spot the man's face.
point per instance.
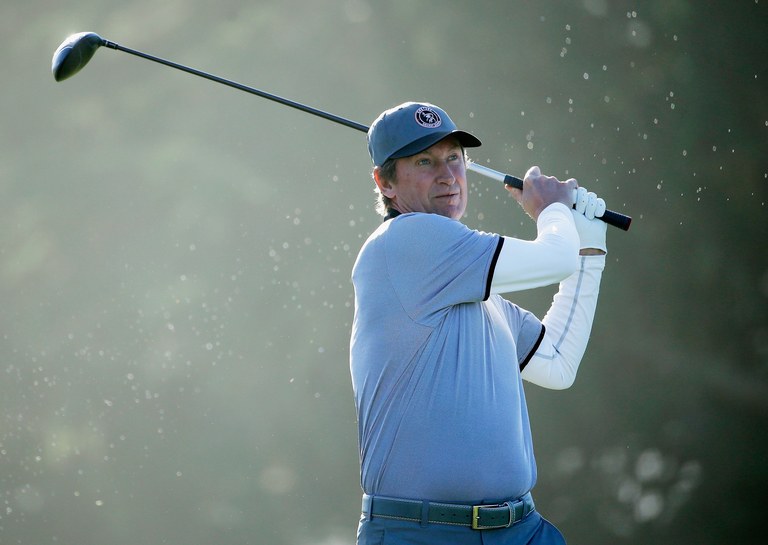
(433, 181)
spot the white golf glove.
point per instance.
(588, 204)
(587, 207)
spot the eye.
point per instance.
(424, 161)
(454, 157)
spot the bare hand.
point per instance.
(540, 191)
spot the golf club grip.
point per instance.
(611, 218)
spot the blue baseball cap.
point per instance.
(410, 128)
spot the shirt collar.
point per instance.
(391, 213)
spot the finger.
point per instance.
(589, 211)
(516, 193)
(600, 208)
(533, 172)
(580, 203)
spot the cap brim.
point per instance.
(466, 139)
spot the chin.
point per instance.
(453, 213)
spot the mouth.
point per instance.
(447, 195)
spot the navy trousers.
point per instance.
(532, 530)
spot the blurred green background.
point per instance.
(175, 259)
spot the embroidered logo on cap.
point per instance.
(428, 118)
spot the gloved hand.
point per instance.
(588, 203)
(591, 231)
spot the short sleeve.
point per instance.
(435, 262)
(530, 330)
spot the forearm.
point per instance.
(568, 325)
(548, 259)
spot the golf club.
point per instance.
(75, 52)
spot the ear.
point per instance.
(385, 186)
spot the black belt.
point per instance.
(477, 517)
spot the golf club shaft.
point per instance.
(241, 87)
(612, 218)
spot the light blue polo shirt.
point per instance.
(435, 365)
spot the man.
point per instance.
(437, 355)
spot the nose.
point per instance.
(446, 174)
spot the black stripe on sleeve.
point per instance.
(492, 268)
(534, 349)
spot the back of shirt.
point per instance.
(435, 366)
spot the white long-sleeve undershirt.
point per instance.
(553, 257)
(568, 324)
(550, 258)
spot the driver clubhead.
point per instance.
(74, 53)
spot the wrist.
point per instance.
(591, 251)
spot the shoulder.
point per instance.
(425, 224)
(424, 236)
(431, 234)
